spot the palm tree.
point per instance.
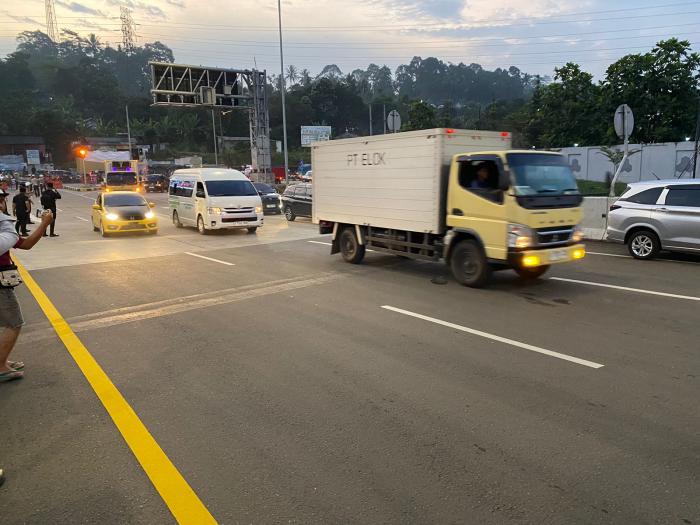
(292, 74)
(305, 77)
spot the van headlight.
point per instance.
(258, 209)
(111, 216)
(214, 211)
(150, 214)
(520, 236)
(577, 236)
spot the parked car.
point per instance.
(657, 215)
(296, 201)
(271, 200)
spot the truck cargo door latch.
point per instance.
(457, 211)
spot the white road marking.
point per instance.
(80, 218)
(210, 259)
(609, 255)
(59, 209)
(331, 244)
(627, 289)
(498, 338)
(165, 207)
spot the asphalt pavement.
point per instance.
(288, 386)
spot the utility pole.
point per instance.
(128, 129)
(282, 89)
(697, 142)
(384, 111)
(213, 128)
(370, 119)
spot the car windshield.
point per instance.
(230, 188)
(263, 188)
(541, 174)
(121, 178)
(116, 200)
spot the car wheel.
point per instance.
(644, 244)
(350, 247)
(200, 225)
(153, 232)
(531, 273)
(253, 229)
(95, 228)
(289, 214)
(102, 230)
(469, 265)
(176, 219)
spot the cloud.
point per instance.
(79, 8)
(22, 19)
(176, 3)
(142, 7)
(442, 9)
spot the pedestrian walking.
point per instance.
(11, 320)
(36, 186)
(48, 202)
(22, 209)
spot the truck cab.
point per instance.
(520, 208)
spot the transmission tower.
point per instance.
(51, 24)
(128, 32)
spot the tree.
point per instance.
(421, 115)
(292, 74)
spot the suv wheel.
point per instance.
(288, 213)
(644, 244)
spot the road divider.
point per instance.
(177, 494)
(498, 338)
(626, 289)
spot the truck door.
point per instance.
(475, 204)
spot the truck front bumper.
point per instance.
(545, 257)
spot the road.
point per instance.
(287, 386)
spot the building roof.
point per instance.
(20, 139)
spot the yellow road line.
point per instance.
(182, 501)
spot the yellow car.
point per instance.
(123, 212)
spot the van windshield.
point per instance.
(230, 188)
(541, 174)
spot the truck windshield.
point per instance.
(541, 174)
(121, 179)
(230, 188)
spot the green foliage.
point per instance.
(421, 115)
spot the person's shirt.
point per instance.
(48, 198)
(21, 202)
(477, 184)
(8, 238)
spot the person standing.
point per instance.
(48, 202)
(35, 186)
(22, 209)
(11, 320)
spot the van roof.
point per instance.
(211, 174)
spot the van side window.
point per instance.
(200, 191)
(645, 197)
(481, 178)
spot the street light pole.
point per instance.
(282, 89)
(213, 128)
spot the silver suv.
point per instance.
(657, 215)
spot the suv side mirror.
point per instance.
(503, 180)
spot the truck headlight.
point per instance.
(214, 211)
(520, 236)
(150, 214)
(258, 209)
(577, 236)
(112, 216)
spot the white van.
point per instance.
(214, 199)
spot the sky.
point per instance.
(533, 35)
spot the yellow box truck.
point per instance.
(459, 195)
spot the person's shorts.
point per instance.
(10, 312)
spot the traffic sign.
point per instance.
(624, 121)
(393, 121)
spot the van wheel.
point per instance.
(350, 247)
(289, 214)
(176, 219)
(469, 265)
(531, 273)
(253, 229)
(200, 225)
(644, 244)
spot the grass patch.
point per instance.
(595, 188)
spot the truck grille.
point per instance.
(554, 236)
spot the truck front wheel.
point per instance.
(469, 265)
(350, 247)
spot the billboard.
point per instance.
(33, 156)
(311, 134)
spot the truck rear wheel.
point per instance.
(469, 265)
(531, 273)
(350, 247)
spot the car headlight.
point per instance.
(112, 216)
(520, 236)
(150, 214)
(258, 209)
(214, 211)
(577, 236)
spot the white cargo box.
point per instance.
(392, 181)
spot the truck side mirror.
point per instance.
(503, 180)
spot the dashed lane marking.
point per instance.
(627, 289)
(330, 244)
(81, 219)
(210, 259)
(498, 338)
(177, 494)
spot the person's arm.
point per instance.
(58, 195)
(29, 242)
